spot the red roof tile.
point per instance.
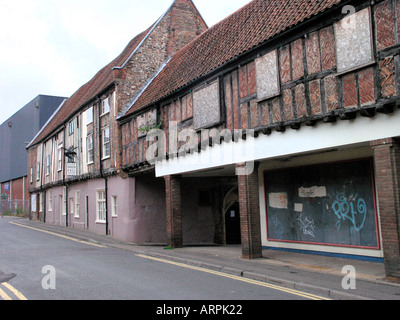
(104, 78)
(248, 27)
(88, 91)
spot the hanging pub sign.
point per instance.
(71, 169)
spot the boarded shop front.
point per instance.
(330, 205)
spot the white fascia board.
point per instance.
(321, 137)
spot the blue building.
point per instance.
(15, 134)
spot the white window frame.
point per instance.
(101, 209)
(40, 202)
(71, 206)
(31, 175)
(38, 171)
(106, 145)
(89, 116)
(114, 206)
(77, 203)
(60, 157)
(71, 128)
(105, 106)
(90, 149)
(48, 165)
(64, 202)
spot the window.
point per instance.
(31, 175)
(71, 205)
(77, 201)
(354, 41)
(101, 206)
(50, 195)
(114, 206)
(89, 116)
(48, 165)
(38, 172)
(105, 106)
(60, 157)
(41, 202)
(90, 150)
(106, 143)
(71, 127)
(206, 106)
(63, 202)
(267, 76)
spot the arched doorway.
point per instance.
(232, 224)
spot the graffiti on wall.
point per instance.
(352, 208)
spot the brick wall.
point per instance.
(180, 25)
(387, 169)
(173, 210)
(311, 90)
(250, 214)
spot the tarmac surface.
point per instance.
(304, 272)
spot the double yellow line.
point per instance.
(11, 291)
(225, 275)
(59, 235)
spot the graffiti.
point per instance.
(306, 226)
(352, 208)
(278, 227)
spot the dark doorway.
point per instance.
(232, 225)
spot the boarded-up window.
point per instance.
(146, 122)
(206, 106)
(354, 40)
(267, 76)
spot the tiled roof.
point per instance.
(245, 29)
(88, 91)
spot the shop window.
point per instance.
(330, 204)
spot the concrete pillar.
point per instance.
(387, 173)
(249, 201)
(174, 211)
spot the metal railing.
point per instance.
(14, 207)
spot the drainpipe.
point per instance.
(64, 182)
(102, 175)
(42, 173)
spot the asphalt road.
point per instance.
(45, 266)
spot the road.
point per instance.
(47, 266)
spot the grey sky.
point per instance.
(53, 47)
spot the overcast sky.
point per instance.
(53, 47)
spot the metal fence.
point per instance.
(14, 207)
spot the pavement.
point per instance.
(304, 272)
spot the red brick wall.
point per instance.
(173, 209)
(387, 168)
(311, 89)
(18, 189)
(250, 214)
